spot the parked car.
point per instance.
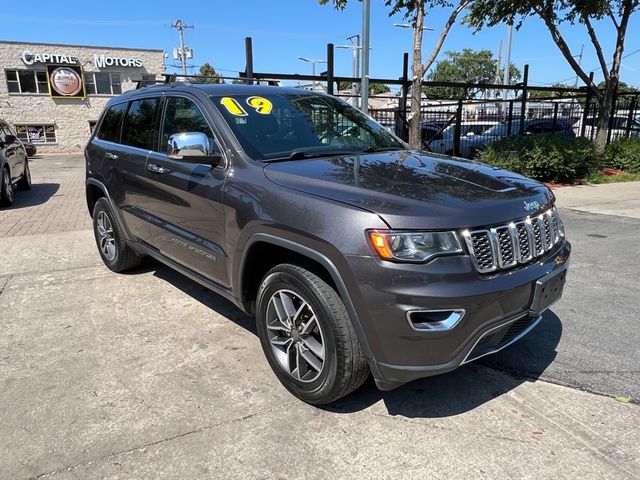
(14, 166)
(30, 148)
(559, 126)
(442, 141)
(355, 254)
(619, 127)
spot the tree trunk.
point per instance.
(415, 130)
(604, 115)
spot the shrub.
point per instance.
(623, 154)
(545, 157)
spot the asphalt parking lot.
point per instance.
(148, 375)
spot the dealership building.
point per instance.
(53, 94)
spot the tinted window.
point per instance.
(110, 126)
(182, 115)
(139, 124)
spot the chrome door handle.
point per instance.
(111, 156)
(156, 168)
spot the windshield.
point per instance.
(283, 125)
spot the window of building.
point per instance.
(103, 83)
(110, 126)
(27, 81)
(36, 133)
(138, 129)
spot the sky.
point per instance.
(283, 30)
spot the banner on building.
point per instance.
(66, 81)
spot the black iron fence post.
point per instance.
(555, 115)
(458, 129)
(330, 68)
(248, 69)
(510, 119)
(612, 113)
(525, 92)
(587, 106)
(631, 116)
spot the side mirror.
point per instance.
(193, 147)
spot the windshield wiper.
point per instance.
(302, 155)
(375, 148)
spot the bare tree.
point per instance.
(575, 12)
(415, 12)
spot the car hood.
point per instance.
(408, 189)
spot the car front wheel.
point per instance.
(115, 253)
(307, 336)
(6, 189)
(25, 182)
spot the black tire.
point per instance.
(107, 233)
(25, 181)
(344, 367)
(6, 189)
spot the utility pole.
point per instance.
(506, 79)
(364, 83)
(182, 49)
(575, 84)
(498, 65)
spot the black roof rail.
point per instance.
(147, 83)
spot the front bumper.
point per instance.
(498, 311)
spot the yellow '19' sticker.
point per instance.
(260, 105)
(233, 107)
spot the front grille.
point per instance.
(505, 246)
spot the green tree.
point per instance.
(467, 66)
(374, 88)
(414, 11)
(210, 74)
(586, 13)
(542, 94)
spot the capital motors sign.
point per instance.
(66, 81)
(98, 60)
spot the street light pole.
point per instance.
(313, 67)
(355, 48)
(364, 82)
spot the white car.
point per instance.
(442, 142)
(619, 127)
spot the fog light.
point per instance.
(434, 320)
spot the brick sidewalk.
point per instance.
(56, 203)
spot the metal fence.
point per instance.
(461, 126)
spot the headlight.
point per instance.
(414, 246)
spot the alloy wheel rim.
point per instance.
(106, 238)
(8, 188)
(295, 335)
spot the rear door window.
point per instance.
(110, 126)
(140, 123)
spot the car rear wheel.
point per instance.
(25, 182)
(6, 189)
(307, 336)
(113, 248)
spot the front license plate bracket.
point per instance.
(548, 290)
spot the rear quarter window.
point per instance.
(110, 126)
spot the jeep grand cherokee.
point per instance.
(356, 254)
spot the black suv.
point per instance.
(14, 166)
(355, 254)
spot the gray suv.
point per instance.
(355, 254)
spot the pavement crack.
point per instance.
(140, 448)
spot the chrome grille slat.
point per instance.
(505, 246)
